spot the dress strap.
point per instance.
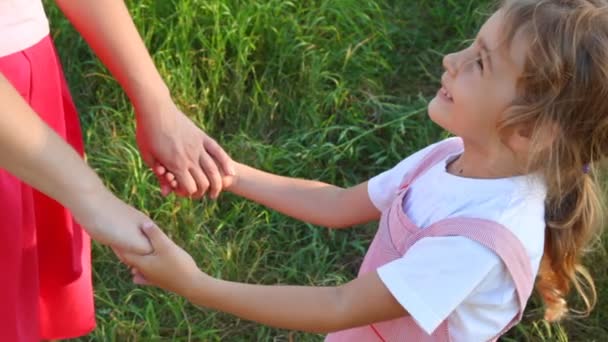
(497, 238)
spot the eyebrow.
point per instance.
(484, 47)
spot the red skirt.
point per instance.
(45, 286)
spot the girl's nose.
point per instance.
(450, 64)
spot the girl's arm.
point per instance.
(307, 200)
(362, 301)
(31, 151)
(164, 134)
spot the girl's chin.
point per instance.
(437, 115)
(435, 109)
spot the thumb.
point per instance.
(218, 153)
(157, 238)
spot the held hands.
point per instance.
(168, 267)
(167, 177)
(167, 137)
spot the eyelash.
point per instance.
(479, 62)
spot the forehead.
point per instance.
(507, 54)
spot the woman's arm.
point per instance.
(307, 200)
(31, 151)
(362, 301)
(107, 27)
(164, 134)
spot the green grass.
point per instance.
(334, 90)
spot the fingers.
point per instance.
(220, 156)
(134, 242)
(202, 182)
(186, 182)
(140, 280)
(210, 179)
(165, 189)
(170, 178)
(159, 169)
(196, 183)
(165, 178)
(138, 277)
(205, 176)
(168, 183)
(118, 254)
(212, 173)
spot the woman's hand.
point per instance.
(164, 134)
(169, 138)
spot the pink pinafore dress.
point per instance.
(396, 234)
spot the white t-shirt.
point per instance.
(23, 23)
(455, 277)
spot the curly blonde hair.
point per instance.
(564, 86)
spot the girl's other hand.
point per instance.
(168, 267)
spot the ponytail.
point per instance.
(572, 221)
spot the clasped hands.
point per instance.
(185, 161)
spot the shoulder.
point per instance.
(405, 164)
(418, 279)
(521, 211)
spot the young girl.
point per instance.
(466, 224)
(45, 286)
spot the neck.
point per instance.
(495, 161)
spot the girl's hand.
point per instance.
(168, 267)
(167, 137)
(112, 222)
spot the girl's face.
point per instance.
(479, 84)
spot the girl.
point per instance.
(466, 224)
(45, 287)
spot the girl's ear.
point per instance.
(546, 135)
(523, 136)
(518, 138)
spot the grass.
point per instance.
(334, 90)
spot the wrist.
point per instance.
(149, 98)
(86, 193)
(86, 205)
(198, 288)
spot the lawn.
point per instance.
(334, 90)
